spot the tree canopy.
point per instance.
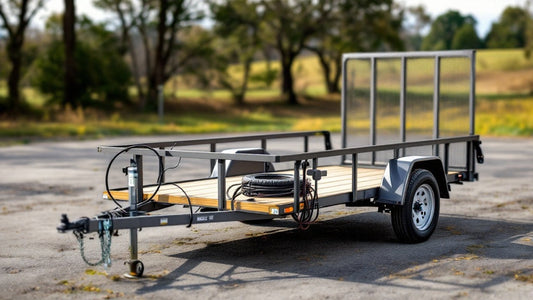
(510, 30)
(103, 76)
(152, 41)
(445, 27)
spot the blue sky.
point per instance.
(485, 11)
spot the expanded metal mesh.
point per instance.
(405, 97)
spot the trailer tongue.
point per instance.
(405, 172)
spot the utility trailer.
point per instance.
(402, 169)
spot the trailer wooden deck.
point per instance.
(204, 192)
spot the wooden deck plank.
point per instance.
(205, 192)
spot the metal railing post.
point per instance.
(221, 184)
(354, 177)
(296, 205)
(472, 95)
(212, 148)
(436, 104)
(373, 90)
(162, 178)
(446, 158)
(403, 95)
(344, 108)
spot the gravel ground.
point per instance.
(482, 248)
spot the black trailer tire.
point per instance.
(269, 180)
(416, 219)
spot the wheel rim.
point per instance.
(423, 207)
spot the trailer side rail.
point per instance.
(463, 173)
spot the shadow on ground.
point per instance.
(358, 248)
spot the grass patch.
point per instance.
(186, 117)
(502, 60)
(513, 118)
(506, 117)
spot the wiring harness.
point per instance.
(120, 211)
(279, 185)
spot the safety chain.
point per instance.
(104, 233)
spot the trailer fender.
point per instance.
(398, 172)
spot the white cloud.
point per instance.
(485, 11)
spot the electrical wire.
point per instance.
(283, 185)
(119, 211)
(124, 151)
(310, 200)
(189, 201)
(236, 193)
(309, 214)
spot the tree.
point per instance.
(69, 39)
(4, 70)
(15, 16)
(529, 29)
(444, 29)
(355, 26)
(238, 22)
(413, 31)
(292, 24)
(157, 23)
(510, 30)
(466, 38)
(103, 78)
(127, 14)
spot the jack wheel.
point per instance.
(136, 269)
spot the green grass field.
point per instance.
(504, 105)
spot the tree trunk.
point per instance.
(148, 61)
(15, 40)
(157, 76)
(151, 96)
(14, 76)
(326, 71)
(136, 71)
(69, 38)
(338, 72)
(287, 85)
(332, 84)
(239, 97)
